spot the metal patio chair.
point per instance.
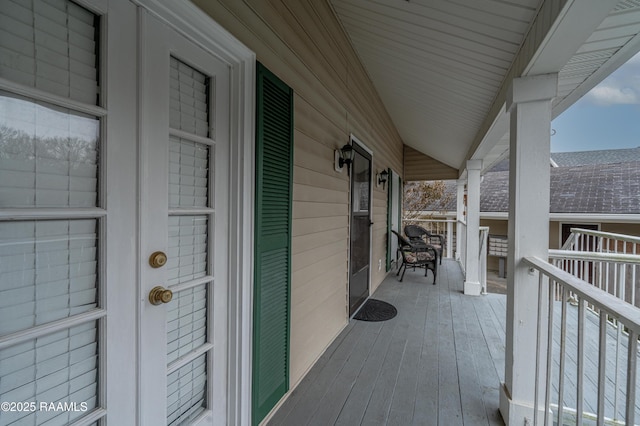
(418, 254)
(418, 233)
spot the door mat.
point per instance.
(376, 310)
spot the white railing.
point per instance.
(457, 240)
(564, 395)
(610, 268)
(609, 262)
(482, 258)
(461, 245)
(444, 227)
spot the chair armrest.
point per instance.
(441, 238)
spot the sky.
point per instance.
(608, 117)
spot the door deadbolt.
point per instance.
(157, 259)
(159, 295)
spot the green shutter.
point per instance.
(390, 195)
(274, 177)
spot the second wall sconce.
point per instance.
(383, 176)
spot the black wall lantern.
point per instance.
(383, 176)
(344, 156)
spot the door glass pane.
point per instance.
(58, 368)
(188, 172)
(360, 218)
(48, 271)
(186, 392)
(186, 322)
(49, 158)
(48, 155)
(187, 257)
(189, 99)
(362, 178)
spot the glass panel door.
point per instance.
(185, 137)
(360, 228)
(52, 219)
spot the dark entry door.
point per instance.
(360, 228)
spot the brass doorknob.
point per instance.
(159, 295)
(157, 259)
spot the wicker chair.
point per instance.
(417, 233)
(417, 254)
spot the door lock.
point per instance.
(157, 259)
(159, 295)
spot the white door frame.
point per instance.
(191, 22)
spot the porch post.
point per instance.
(459, 217)
(472, 276)
(529, 103)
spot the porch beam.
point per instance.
(472, 267)
(529, 103)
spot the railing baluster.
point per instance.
(547, 395)
(616, 393)
(563, 347)
(632, 359)
(449, 239)
(633, 275)
(580, 357)
(536, 391)
(600, 274)
(619, 332)
(602, 366)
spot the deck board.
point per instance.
(440, 361)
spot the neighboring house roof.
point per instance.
(583, 158)
(612, 188)
(600, 188)
(608, 156)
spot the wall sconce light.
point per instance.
(383, 176)
(343, 156)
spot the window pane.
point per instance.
(59, 367)
(50, 45)
(48, 155)
(48, 271)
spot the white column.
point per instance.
(529, 103)
(472, 277)
(459, 217)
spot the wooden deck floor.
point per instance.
(438, 362)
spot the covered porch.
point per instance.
(439, 361)
(459, 85)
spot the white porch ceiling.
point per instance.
(440, 66)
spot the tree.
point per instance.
(424, 197)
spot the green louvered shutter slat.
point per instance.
(274, 176)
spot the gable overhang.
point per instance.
(419, 167)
